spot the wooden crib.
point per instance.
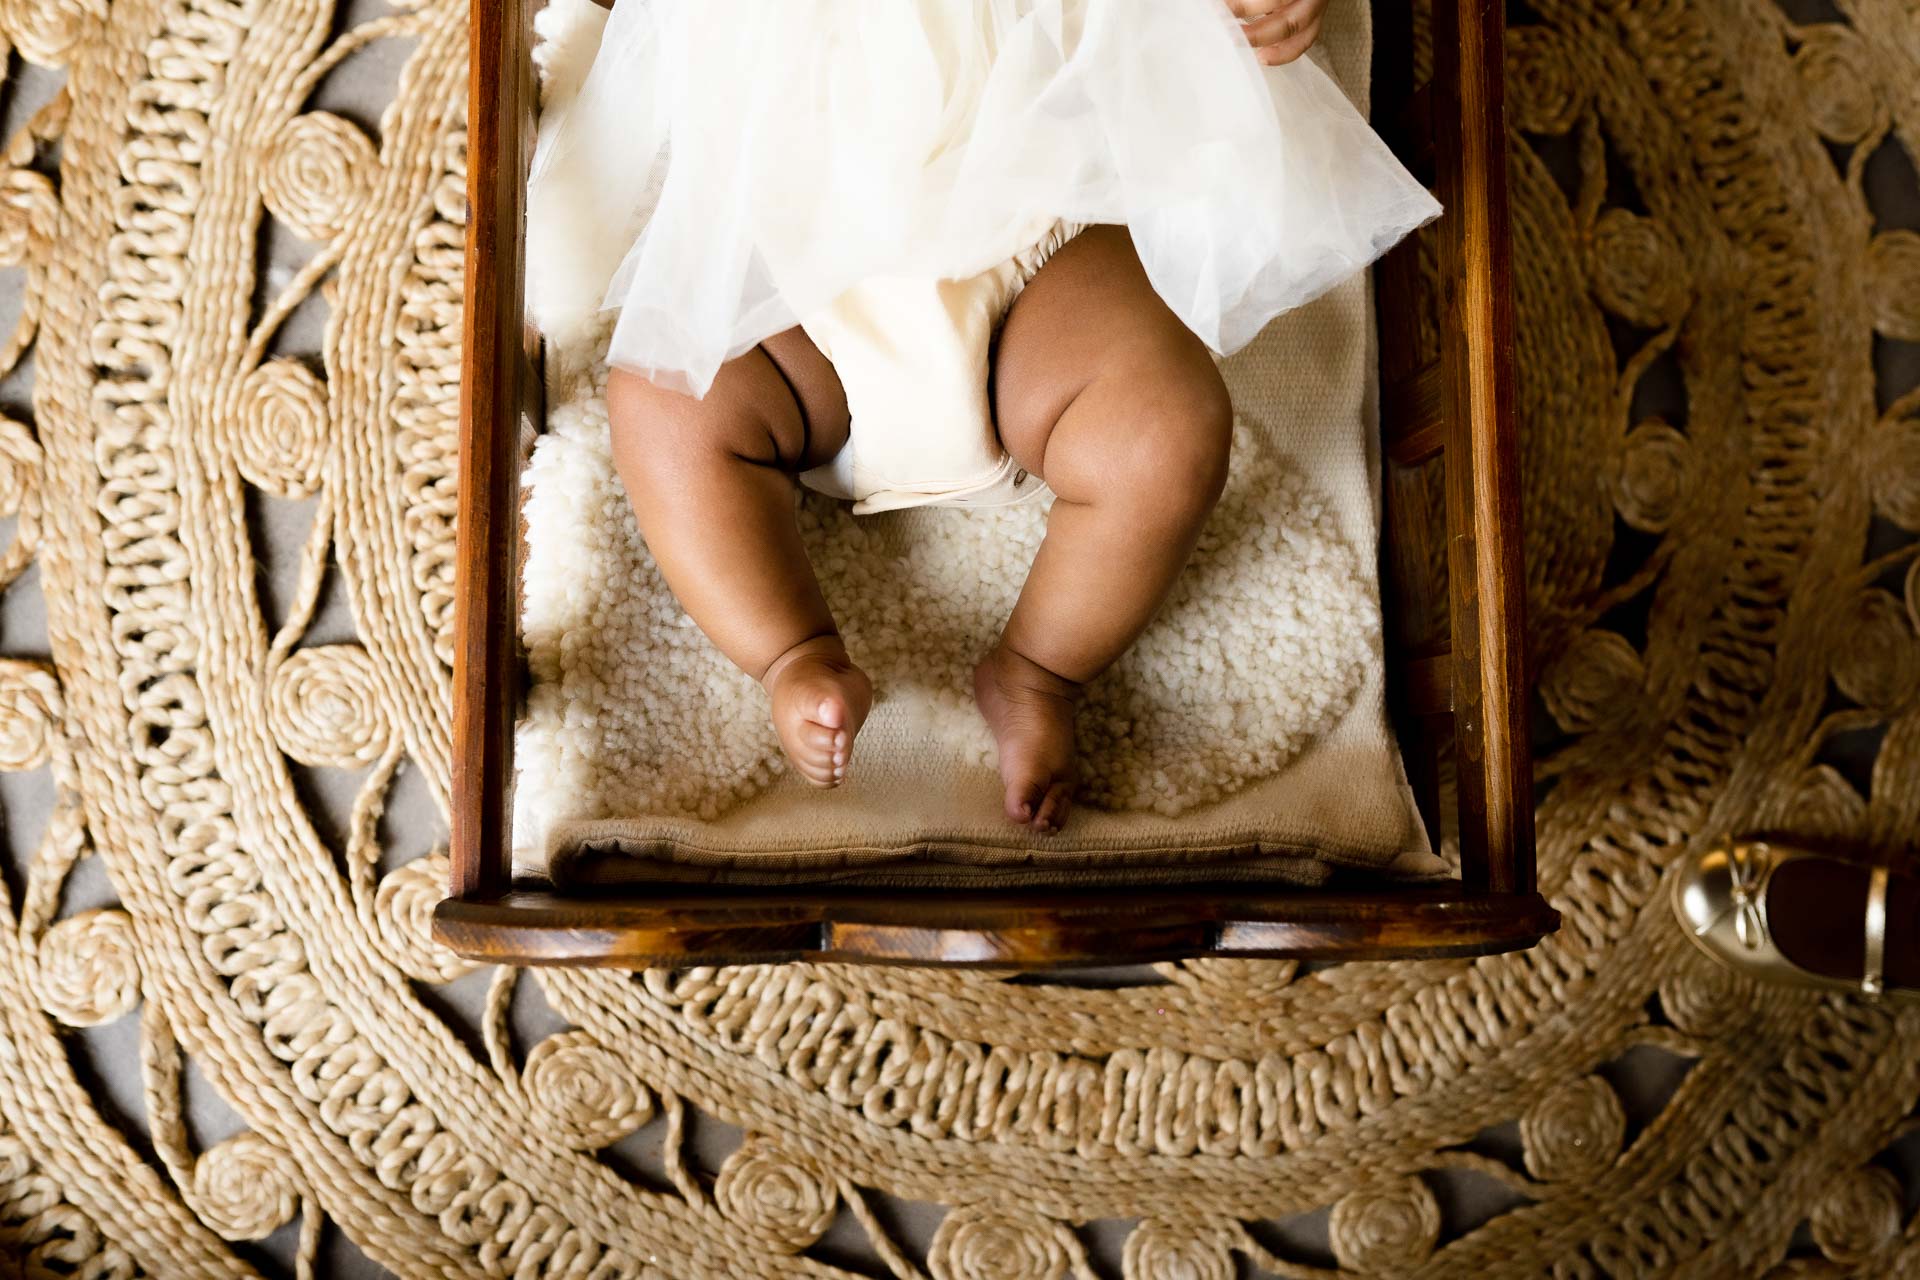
(1455, 624)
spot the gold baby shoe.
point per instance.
(1721, 898)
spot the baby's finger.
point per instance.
(1285, 51)
(1283, 23)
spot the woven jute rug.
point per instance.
(229, 1048)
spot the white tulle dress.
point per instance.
(726, 171)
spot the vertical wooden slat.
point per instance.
(1424, 777)
(1413, 413)
(1483, 500)
(1406, 591)
(1396, 276)
(1392, 86)
(494, 388)
(1396, 287)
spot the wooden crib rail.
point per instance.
(499, 395)
(1452, 586)
(1488, 605)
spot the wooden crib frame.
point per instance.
(1454, 610)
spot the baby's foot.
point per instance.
(820, 700)
(1030, 711)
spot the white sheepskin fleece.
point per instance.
(1267, 637)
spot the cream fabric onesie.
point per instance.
(913, 356)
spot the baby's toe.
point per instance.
(810, 747)
(1024, 799)
(827, 748)
(818, 706)
(1052, 814)
(823, 741)
(816, 770)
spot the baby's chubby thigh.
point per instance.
(780, 404)
(1101, 390)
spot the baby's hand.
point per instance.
(1279, 30)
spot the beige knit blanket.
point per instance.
(227, 1048)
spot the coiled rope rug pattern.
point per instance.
(208, 915)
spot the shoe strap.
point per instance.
(1873, 980)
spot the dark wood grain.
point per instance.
(1483, 491)
(1434, 738)
(1410, 132)
(1396, 284)
(1397, 276)
(1413, 565)
(497, 380)
(1429, 685)
(1032, 929)
(1413, 586)
(1414, 413)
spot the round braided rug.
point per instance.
(229, 1048)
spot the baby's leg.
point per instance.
(712, 483)
(1101, 391)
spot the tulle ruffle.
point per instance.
(727, 170)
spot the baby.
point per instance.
(952, 251)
